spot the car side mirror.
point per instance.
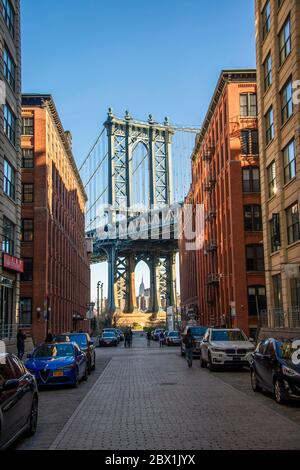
(205, 340)
(10, 385)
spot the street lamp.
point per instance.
(99, 309)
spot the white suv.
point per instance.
(225, 348)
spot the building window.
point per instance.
(275, 233)
(293, 223)
(249, 142)
(257, 301)
(295, 292)
(277, 291)
(271, 171)
(255, 258)
(9, 124)
(266, 19)
(268, 71)
(8, 237)
(289, 161)
(27, 193)
(9, 180)
(287, 101)
(26, 311)
(27, 126)
(252, 218)
(269, 121)
(248, 104)
(27, 158)
(27, 230)
(27, 275)
(9, 68)
(9, 16)
(251, 179)
(285, 41)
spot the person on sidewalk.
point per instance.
(21, 343)
(126, 338)
(189, 342)
(161, 339)
(148, 338)
(130, 337)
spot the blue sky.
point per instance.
(161, 57)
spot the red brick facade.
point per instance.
(225, 167)
(60, 278)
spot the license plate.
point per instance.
(58, 373)
(236, 359)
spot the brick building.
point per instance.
(278, 68)
(226, 180)
(10, 168)
(188, 274)
(55, 285)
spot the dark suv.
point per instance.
(84, 342)
(18, 400)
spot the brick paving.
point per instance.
(149, 399)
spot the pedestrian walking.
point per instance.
(189, 342)
(49, 338)
(126, 338)
(149, 338)
(21, 343)
(130, 337)
(161, 339)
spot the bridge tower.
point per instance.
(124, 137)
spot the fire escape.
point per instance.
(212, 280)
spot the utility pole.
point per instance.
(99, 308)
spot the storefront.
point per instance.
(7, 317)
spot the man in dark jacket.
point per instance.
(189, 342)
(21, 343)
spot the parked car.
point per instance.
(85, 343)
(198, 332)
(225, 348)
(108, 338)
(58, 364)
(156, 333)
(173, 338)
(18, 400)
(275, 368)
(113, 330)
(121, 334)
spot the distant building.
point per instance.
(55, 285)
(143, 299)
(278, 69)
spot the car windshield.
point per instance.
(198, 331)
(54, 350)
(228, 335)
(174, 333)
(81, 340)
(108, 334)
(285, 349)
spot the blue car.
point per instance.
(58, 364)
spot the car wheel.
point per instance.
(33, 418)
(254, 384)
(211, 367)
(86, 375)
(76, 382)
(279, 393)
(203, 364)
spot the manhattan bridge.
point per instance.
(136, 177)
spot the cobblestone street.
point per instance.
(147, 398)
